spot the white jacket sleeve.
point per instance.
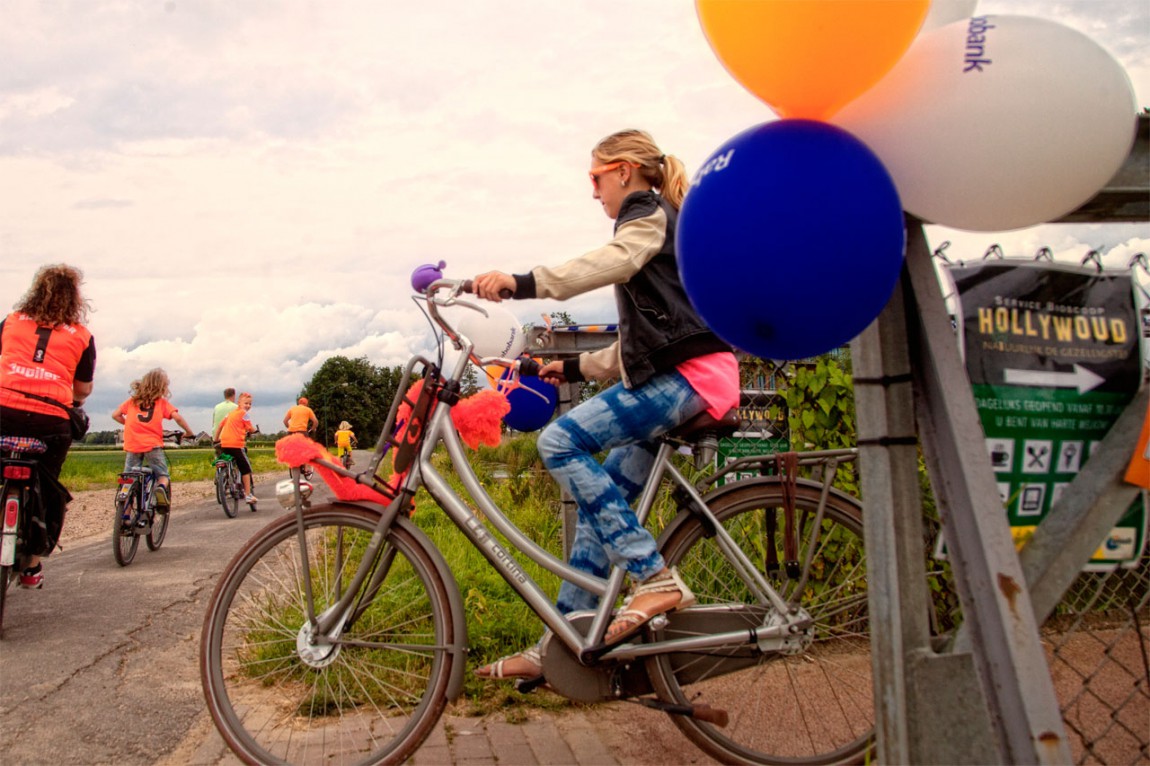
(635, 243)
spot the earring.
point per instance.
(623, 184)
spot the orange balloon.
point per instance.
(809, 58)
(493, 372)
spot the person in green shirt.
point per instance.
(221, 411)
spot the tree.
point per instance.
(354, 390)
(470, 383)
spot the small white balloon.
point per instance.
(998, 122)
(496, 334)
(943, 12)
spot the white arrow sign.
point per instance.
(1082, 378)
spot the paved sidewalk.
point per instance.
(620, 734)
(606, 735)
(548, 739)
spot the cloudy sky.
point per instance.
(248, 184)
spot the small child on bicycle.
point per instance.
(232, 435)
(143, 416)
(344, 441)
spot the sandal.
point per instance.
(500, 670)
(655, 591)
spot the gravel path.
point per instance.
(90, 512)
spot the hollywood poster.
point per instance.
(1054, 356)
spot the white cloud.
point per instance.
(247, 190)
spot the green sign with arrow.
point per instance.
(1054, 356)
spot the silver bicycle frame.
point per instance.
(440, 430)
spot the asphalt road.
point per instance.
(100, 666)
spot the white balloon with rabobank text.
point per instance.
(998, 122)
(495, 331)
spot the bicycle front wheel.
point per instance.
(159, 530)
(124, 537)
(370, 694)
(810, 707)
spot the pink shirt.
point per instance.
(715, 377)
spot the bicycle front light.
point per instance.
(285, 492)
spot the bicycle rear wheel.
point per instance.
(124, 537)
(6, 574)
(231, 501)
(813, 707)
(370, 695)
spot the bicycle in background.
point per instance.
(345, 457)
(18, 465)
(230, 486)
(137, 515)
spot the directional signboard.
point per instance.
(1054, 355)
(763, 430)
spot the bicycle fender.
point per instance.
(752, 485)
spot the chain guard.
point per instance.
(602, 682)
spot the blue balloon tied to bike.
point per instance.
(791, 239)
(533, 402)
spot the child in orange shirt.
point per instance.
(232, 434)
(143, 416)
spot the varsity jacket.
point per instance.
(658, 327)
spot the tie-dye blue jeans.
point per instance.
(626, 422)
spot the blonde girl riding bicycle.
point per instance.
(671, 368)
(142, 415)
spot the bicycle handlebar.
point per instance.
(445, 292)
(469, 287)
(179, 436)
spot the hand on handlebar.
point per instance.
(552, 372)
(494, 286)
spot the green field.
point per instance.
(97, 469)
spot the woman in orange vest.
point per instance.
(46, 351)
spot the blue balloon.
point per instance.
(791, 239)
(529, 412)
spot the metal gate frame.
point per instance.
(989, 698)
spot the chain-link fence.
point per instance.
(1098, 639)
(1098, 642)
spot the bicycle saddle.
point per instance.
(703, 422)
